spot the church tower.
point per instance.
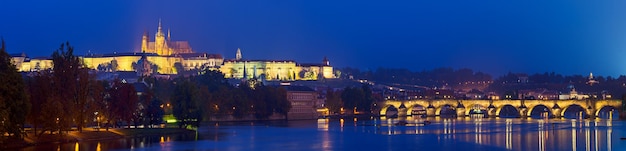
(159, 41)
(144, 42)
(238, 55)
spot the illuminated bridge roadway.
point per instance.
(504, 108)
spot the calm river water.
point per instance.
(382, 134)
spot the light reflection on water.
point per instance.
(510, 134)
(384, 134)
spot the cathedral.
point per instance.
(164, 46)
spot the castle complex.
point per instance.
(164, 56)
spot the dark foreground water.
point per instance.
(382, 134)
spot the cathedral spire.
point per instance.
(159, 29)
(168, 34)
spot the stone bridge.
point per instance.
(504, 108)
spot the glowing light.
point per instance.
(508, 133)
(341, 124)
(573, 135)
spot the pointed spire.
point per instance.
(159, 29)
(168, 34)
(238, 55)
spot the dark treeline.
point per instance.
(351, 99)
(209, 95)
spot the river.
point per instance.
(381, 134)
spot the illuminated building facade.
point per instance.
(275, 70)
(164, 56)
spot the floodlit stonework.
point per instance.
(167, 57)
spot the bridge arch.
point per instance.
(476, 109)
(383, 111)
(540, 111)
(416, 109)
(574, 111)
(607, 112)
(446, 110)
(507, 111)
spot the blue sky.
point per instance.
(493, 36)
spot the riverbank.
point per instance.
(32, 139)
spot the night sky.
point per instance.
(493, 36)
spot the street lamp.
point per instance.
(97, 120)
(58, 126)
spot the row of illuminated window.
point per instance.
(296, 103)
(198, 64)
(302, 97)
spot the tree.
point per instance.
(14, 103)
(212, 79)
(39, 90)
(146, 100)
(186, 103)
(333, 101)
(123, 102)
(368, 101)
(71, 82)
(239, 102)
(354, 98)
(154, 114)
(282, 105)
(262, 101)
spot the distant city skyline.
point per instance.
(494, 37)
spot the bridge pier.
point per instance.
(491, 112)
(460, 109)
(592, 113)
(430, 111)
(556, 112)
(460, 112)
(523, 112)
(402, 112)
